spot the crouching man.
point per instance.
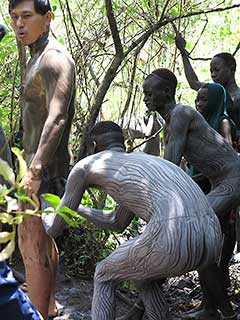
(182, 231)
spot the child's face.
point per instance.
(202, 100)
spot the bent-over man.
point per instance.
(182, 231)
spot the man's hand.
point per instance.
(180, 42)
(31, 182)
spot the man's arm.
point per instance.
(177, 131)
(116, 220)
(152, 146)
(59, 75)
(77, 183)
(190, 74)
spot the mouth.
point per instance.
(21, 35)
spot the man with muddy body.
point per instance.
(182, 231)
(222, 69)
(48, 96)
(188, 134)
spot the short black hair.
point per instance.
(41, 6)
(168, 76)
(228, 59)
(106, 127)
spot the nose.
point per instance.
(198, 104)
(20, 22)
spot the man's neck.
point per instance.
(232, 88)
(166, 111)
(40, 44)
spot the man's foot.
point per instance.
(202, 314)
(135, 313)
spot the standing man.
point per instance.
(49, 93)
(188, 134)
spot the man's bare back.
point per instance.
(202, 146)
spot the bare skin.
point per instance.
(48, 110)
(188, 134)
(145, 186)
(220, 73)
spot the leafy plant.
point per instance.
(12, 213)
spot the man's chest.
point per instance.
(34, 84)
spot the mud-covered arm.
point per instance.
(190, 74)
(177, 135)
(226, 130)
(116, 220)
(75, 187)
(152, 146)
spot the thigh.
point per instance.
(163, 250)
(224, 196)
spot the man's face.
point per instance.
(154, 91)
(220, 72)
(27, 24)
(202, 100)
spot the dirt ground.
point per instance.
(183, 293)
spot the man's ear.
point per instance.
(168, 92)
(232, 69)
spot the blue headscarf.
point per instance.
(219, 104)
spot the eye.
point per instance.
(14, 17)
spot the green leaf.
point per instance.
(6, 218)
(6, 236)
(52, 199)
(3, 190)
(24, 198)
(70, 222)
(22, 163)
(8, 250)
(69, 211)
(12, 204)
(7, 172)
(18, 219)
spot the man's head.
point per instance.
(222, 68)
(30, 19)
(159, 88)
(2, 32)
(103, 135)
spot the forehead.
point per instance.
(218, 62)
(202, 92)
(25, 6)
(151, 83)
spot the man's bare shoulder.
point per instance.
(56, 56)
(182, 110)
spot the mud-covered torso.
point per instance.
(36, 109)
(206, 149)
(150, 187)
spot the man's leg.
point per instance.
(34, 247)
(52, 310)
(215, 296)
(136, 312)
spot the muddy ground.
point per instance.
(74, 295)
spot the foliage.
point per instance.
(13, 200)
